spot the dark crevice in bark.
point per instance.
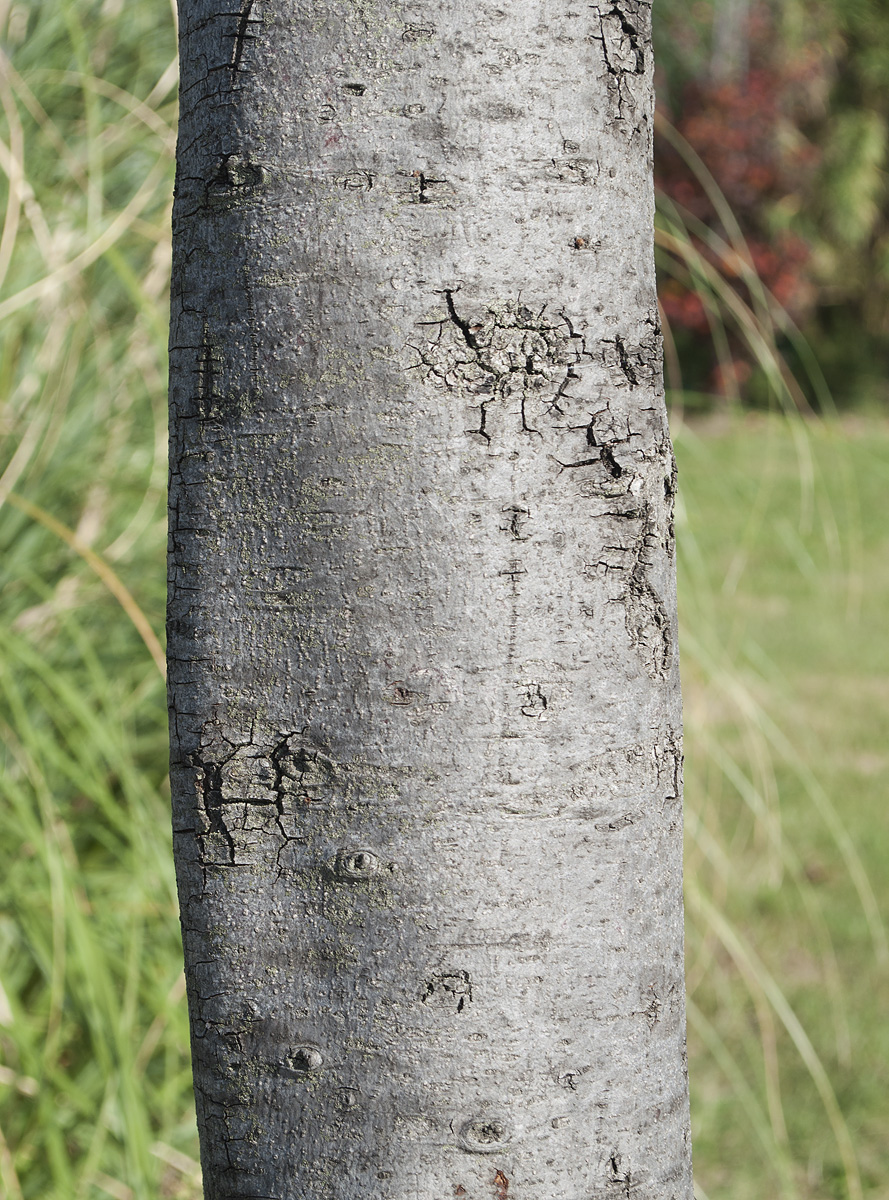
(623, 1179)
(648, 622)
(584, 462)
(571, 376)
(632, 33)
(612, 466)
(461, 324)
(211, 784)
(424, 183)
(625, 365)
(241, 37)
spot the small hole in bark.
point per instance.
(356, 864)
(304, 1059)
(449, 986)
(355, 89)
(418, 33)
(237, 173)
(485, 1135)
(347, 1098)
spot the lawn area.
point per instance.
(784, 593)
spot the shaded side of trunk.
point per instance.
(424, 689)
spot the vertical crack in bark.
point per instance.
(623, 52)
(612, 466)
(460, 322)
(670, 482)
(648, 622)
(625, 365)
(619, 1176)
(631, 33)
(210, 784)
(241, 37)
(206, 381)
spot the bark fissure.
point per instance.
(242, 36)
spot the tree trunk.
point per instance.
(424, 689)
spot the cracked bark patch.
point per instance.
(620, 37)
(670, 482)
(450, 989)
(622, 34)
(608, 437)
(503, 355)
(533, 701)
(244, 790)
(648, 622)
(635, 364)
(626, 565)
(669, 759)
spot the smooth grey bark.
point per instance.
(424, 691)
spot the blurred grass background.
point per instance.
(784, 587)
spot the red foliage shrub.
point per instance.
(748, 131)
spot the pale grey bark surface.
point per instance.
(424, 690)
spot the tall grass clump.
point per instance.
(788, 963)
(782, 577)
(94, 1067)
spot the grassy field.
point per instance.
(784, 577)
(784, 588)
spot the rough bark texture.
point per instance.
(424, 691)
